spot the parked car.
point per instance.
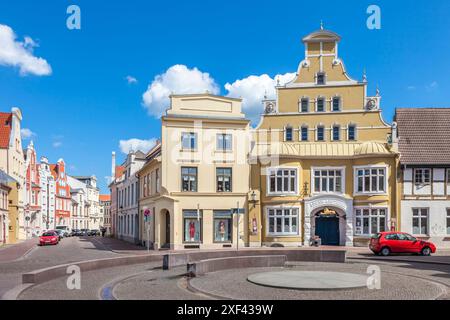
(84, 232)
(75, 232)
(49, 237)
(66, 230)
(94, 232)
(385, 243)
(60, 233)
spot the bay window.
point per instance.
(282, 180)
(282, 221)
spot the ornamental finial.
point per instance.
(321, 24)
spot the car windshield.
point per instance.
(48, 234)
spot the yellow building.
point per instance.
(322, 164)
(196, 182)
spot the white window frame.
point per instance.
(283, 208)
(419, 210)
(348, 131)
(223, 147)
(371, 214)
(281, 193)
(423, 182)
(195, 135)
(332, 132)
(324, 104)
(300, 105)
(313, 186)
(370, 167)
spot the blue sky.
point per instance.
(86, 105)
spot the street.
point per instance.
(403, 276)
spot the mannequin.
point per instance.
(192, 230)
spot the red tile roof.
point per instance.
(104, 197)
(119, 171)
(424, 135)
(5, 129)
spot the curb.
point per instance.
(400, 260)
(15, 292)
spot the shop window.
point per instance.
(223, 226)
(192, 222)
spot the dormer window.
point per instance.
(288, 134)
(320, 78)
(320, 104)
(304, 105)
(336, 104)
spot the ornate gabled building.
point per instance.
(322, 162)
(47, 194)
(34, 221)
(63, 200)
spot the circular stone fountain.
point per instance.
(309, 280)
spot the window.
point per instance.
(189, 179)
(304, 134)
(288, 134)
(282, 221)
(369, 221)
(157, 180)
(327, 180)
(192, 226)
(223, 225)
(321, 78)
(304, 105)
(320, 133)
(420, 221)
(189, 140)
(223, 176)
(448, 176)
(320, 104)
(282, 180)
(371, 180)
(422, 176)
(448, 221)
(336, 104)
(351, 132)
(336, 133)
(224, 141)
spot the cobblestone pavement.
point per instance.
(409, 281)
(11, 252)
(68, 250)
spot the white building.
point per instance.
(86, 196)
(47, 194)
(424, 143)
(128, 194)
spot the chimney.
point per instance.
(113, 166)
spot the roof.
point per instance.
(119, 171)
(5, 178)
(104, 197)
(322, 36)
(5, 129)
(424, 135)
(323, 150)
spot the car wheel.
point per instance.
(385, 251)
(426, 251)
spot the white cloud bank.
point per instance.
(136, 144)
(20, 54)
(179, 79)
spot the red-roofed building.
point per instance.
(105, 211)
(63, 200)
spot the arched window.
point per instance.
(336, 132)
(351, 132)
(320, 104)
(288, 133)
(336, 104)
(304, 105)
(320, 133)
(304, 133)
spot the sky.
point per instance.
(85, 93)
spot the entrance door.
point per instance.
(327, 228)
(167, 244)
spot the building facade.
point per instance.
(5, 189)
(63, 200)
(105, 211)
(196, 183)
(423, 137)
(92, 193)
(12, 163)
(128, 198)
(322, 164)
(116, 175)
(47, 194)
(33, 213)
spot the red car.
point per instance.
(385, 243)
(49, 237)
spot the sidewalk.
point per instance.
(11, 252)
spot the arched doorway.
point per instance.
(327, 226)
(165, 228)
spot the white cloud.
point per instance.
(411, 88)
(20, 54)
(136, 144)
(252, 90)
(178, 79)
(57, 144)
(131, 79)
(26, 133)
